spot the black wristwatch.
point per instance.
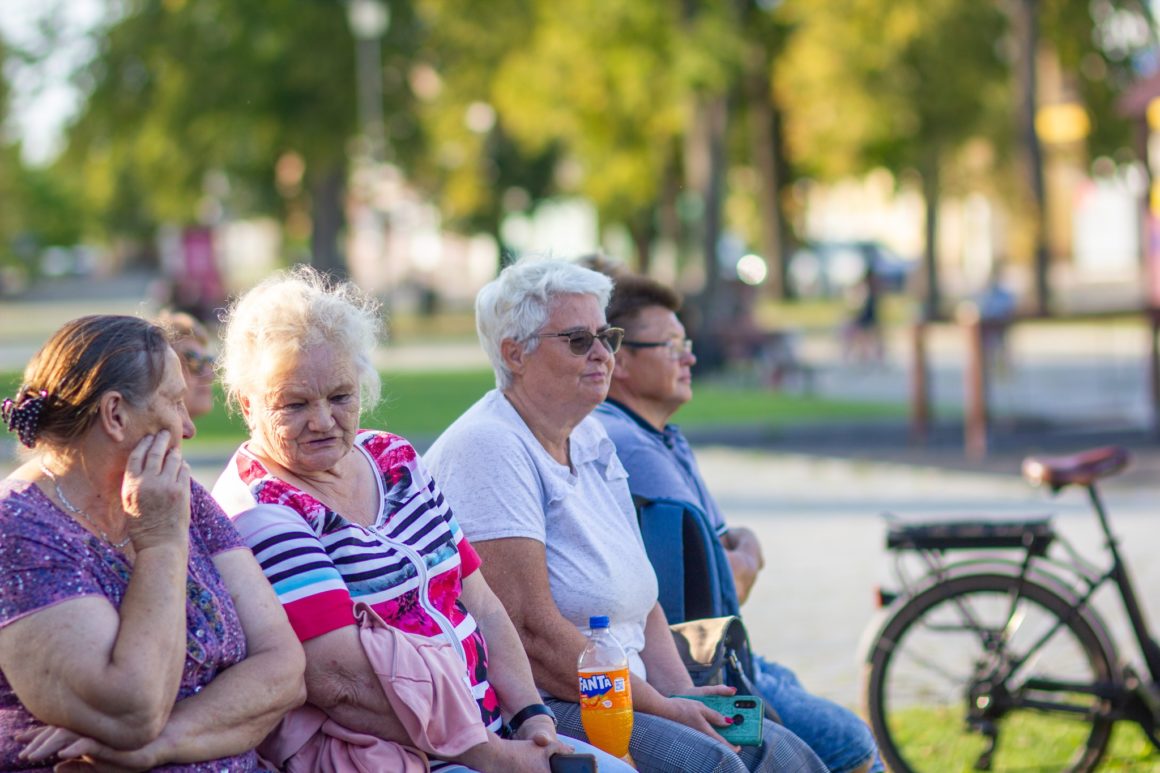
(526, 713)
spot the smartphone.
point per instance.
(572, 763)
(746, 711)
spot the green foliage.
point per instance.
(182, 88)
(597, 77)
(38, 207)
(868, 84)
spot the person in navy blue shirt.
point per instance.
(651, 380)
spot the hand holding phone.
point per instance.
(745, 711)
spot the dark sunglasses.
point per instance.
(200, 365)
(580, 341)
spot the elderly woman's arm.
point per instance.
(508, 669)
(114, 675)
(516, 569)
(341, 681)
(235, 711)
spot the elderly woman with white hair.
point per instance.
(536, 485)
(342, 519)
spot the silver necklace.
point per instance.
(77, 511)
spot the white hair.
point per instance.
(516, 304)
(289, 313)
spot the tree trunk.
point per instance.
(932, 300)
(643, 232)
(1027, 33)
(705, 169)
(326, 203)
(763, 143)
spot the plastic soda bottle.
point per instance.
(605, 690)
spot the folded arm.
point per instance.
(235, 711)
(107, 674)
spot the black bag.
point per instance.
(715, 650)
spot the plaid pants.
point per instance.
(662, 746)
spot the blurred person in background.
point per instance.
(651, 380)
(537, 486)
(862, 333)
(136, 630)
(190, 340)
(341, 517)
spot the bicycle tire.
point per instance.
(947, 623)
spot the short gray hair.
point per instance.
(289, 313)
(516, 304)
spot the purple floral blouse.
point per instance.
(46, 557)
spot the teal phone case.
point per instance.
(746, 711)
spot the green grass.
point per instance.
(421, 404)
(934, 741)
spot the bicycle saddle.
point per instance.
(1082, 469)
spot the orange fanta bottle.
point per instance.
(605, 690)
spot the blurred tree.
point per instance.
(180, 90)
(764, 35)
(37, 206)
(598, 82)
(901, 85)
(471, 164)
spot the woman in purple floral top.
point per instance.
(136, 631)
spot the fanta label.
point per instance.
(605, 688)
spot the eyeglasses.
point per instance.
(678, 347)
(580, 341)
(200, 365)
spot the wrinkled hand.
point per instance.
(514, 756)
(699, 716)
(541, 730)
(532, 756)
(155, 492)
(78, 753)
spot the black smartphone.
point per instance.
(572, 763)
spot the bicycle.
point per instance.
(994, 657)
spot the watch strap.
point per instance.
(527, 712)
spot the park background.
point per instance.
(758, 154)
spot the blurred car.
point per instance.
(830, 268)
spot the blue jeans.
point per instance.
(836, 734)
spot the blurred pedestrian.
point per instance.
(996, 304)
(862, 333)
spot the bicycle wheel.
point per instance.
(971, 663)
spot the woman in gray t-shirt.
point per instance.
(535, 484)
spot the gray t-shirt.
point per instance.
(501, 482)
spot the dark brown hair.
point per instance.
(634, 293)
(85, 359)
